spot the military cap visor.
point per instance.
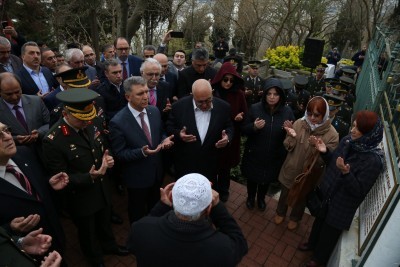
(339, 88)
(333, 101)
(79, 103)
(346, 80)
(75, 78)
(254, 64)
(349, 71)
(300, 81)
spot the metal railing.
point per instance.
(378, 85)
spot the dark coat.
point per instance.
(16, 203)
(163, 240)
(188, 76)
(164, 92)
(235, 97)
(66, 151)
(114, 100)
(15, 62)
(351, 188)
(28, 85)
(264, 152)
(194, 156)
(11, 255)
(50, 100)
(172, 79)
(255, 88)
(128, 139)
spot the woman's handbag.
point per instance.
(316, 204)
(297, 192)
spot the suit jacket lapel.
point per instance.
(135, 125)
(211, 124)
(28, 79)
(27, 107)
(10, 119)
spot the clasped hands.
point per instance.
(107, 162)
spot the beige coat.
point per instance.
(300, 152)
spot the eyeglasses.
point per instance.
(315, 115)
(5, 130)
(123, 49)
(153, 74)
(201, 102)
(89, 55)
(231, 80)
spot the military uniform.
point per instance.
(88, 199)
(316, 85)
(337, 122)
(299, 96)
(255, 85)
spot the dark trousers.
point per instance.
(224, 181)
(141, 201)
(95, 234)
(254, 188)
(297, 210)
(323, 239)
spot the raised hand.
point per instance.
(52, 260)
(166, 194)
(343, 167)
(168, 106)
(23, 225)
(239, 117)
(147, 151)
(107, 162)
(317, 143)
(259, 123)
(223, 141)
(36, 243)
(186, 137)
(59, 181)
(167, 142)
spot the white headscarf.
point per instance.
(325, 119)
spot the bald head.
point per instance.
(10, 88)
(202, 94)
(163, 60)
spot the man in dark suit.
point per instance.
(8, 61)
(90, 60)
(198, 70)
(160, 94)
(77, 147)
(136, 139)
(130, 64)
(202, 126)
(27, 115)
(50, 100)
(48, 59)
(167, 75)
(25, 201)
(112, 90)
(35, 80)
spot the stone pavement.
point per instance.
(269, 244)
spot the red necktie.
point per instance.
(124, 71)
(145, 127)
(153, 101)
(22, 179)
(20, 117)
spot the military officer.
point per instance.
(76, 145)
(317, 83)
(253, 83)
(351, 95)
(299, 96)
(340, 89)
(340, 125)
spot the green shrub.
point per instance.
(285, 57)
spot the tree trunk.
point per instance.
(134, 21)
(123, 19)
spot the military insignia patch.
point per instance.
(65, 130)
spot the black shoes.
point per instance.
(261, 204)
(119, 251)
(250, 203)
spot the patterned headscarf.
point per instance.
(369, 142)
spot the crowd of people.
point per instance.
(71, 126)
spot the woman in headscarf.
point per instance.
(264, 152)
(351, 171)
(229, 86)
(300, 155)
